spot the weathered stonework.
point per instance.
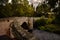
(5, 24)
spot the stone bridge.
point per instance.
(5, 23)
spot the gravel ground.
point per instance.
(43, 35)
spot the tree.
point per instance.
(16, 8)
(23, 8)
(56, 10)
(52, 3)
(3, 1)
(29, 11)
(6, 11)
(42, 9)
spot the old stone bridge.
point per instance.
(5, 23)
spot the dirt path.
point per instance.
(43, 35)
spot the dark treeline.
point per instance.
(16, 9)
(22, 8)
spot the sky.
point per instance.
(31, 1)
(35, 2)
(9, 1)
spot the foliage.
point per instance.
(43, 21)
(6, 11)
(42, 9)
(57, 14)
(50, 20)
(51, 28)
(3, 1)
(39, 22)
(52, 3)
(24, 8)
(16, 9)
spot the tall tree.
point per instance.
(23, 8)
(52, 3)
(42, 9)
(3, 1)
(57, 12)
(6, 11)
(16, 8)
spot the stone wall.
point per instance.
(5, 23)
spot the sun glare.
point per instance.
(9, 1)
(35, 0)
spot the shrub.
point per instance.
(40, 22)
(50, 28)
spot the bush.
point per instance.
(50, 28)
(40, 22)
(42, 28)
(47, 25)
